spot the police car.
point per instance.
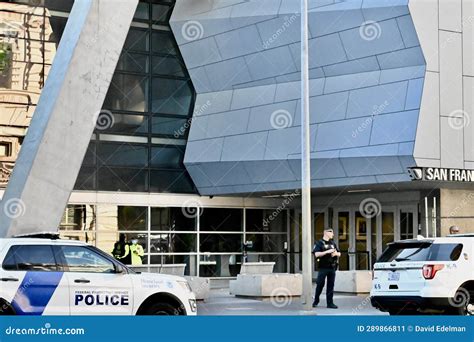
(426, 276)
(48, 276)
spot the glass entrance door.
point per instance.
(343, 235)
(362, 239)
(384, 231)
(388, 229)
(408, 222)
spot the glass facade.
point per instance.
(211, 244)
(141, 134)
(151, 99)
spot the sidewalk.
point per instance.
(221, 303)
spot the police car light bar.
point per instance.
(42, 235)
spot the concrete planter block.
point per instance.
(267, 285)
(257, 268)
(353, 281)
(200, 286)
(173, 269)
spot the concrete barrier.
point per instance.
(353, 281)
(257, 268)
(200, 286)
(267, 285)
(173, 269)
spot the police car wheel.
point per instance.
(162, 309)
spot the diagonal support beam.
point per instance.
(65, 118)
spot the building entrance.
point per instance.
(361, 235)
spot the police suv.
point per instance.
(48, 276)
(426, 275)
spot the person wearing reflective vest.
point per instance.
(136, 251)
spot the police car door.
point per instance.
(33, 282)
(95, 285)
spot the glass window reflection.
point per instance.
(172, 243)
(258, 220)
(171, 96)
(171, 236)
(127, 92)
(122, 218)
(220, 243)
(79, 218)
(172, 219)
(220, 219)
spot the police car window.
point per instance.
(445, 252)
(81, 259)
(421, 252)
(30, 258)
(9, 262)
(406, 252)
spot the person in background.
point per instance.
(453, 230)
(135, 250)
(119, 248)
(327, 255)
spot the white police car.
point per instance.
(47, 276)
(426, 275)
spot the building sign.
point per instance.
(435, 174)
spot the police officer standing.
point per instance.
(327, 255)
(119, 247)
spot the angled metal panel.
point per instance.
(66, 115)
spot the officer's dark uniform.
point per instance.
(119, 252)
(327, 266)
